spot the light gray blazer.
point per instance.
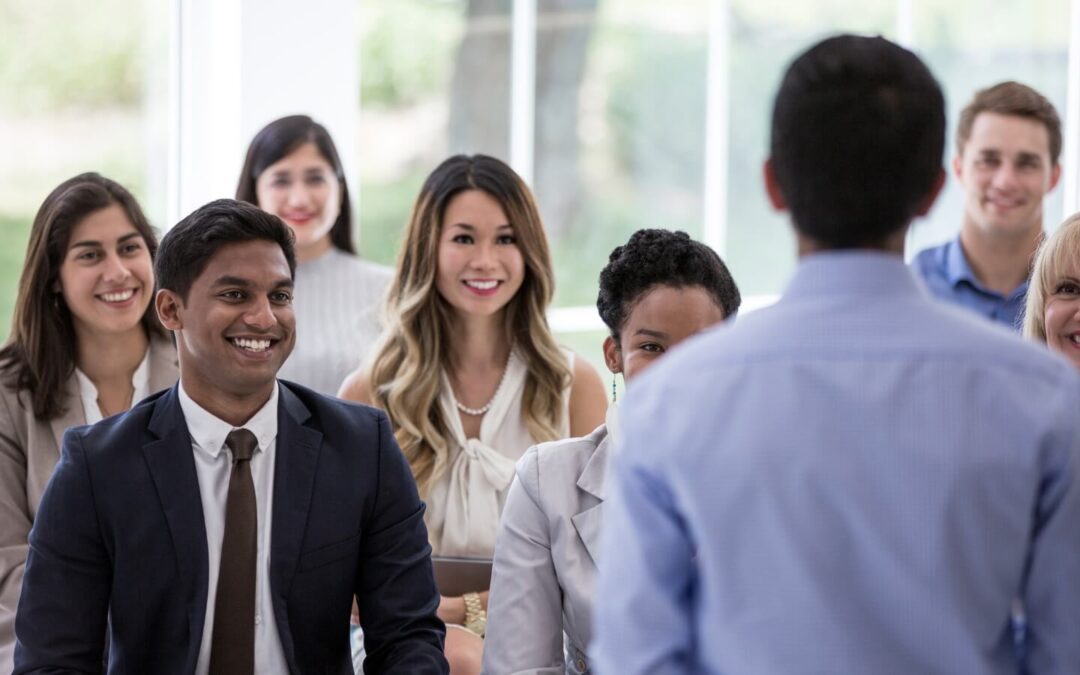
(545, 560)
(29, 451)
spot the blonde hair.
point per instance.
(406, 370)
(1059, 251)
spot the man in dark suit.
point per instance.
(226, 524)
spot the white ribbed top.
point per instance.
(337, 301)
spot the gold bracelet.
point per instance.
(475, 616)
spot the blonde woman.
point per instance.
(1052, 315)
(467, 369)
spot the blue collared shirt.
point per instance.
(854, 480)
(946, 272)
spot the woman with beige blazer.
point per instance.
(85, 344)
(658, 289)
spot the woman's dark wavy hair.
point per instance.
(654, 258)
(277, 140)
(39, 356)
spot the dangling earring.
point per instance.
(614, 394)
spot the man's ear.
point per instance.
(168, 306)
(958, 167)
(1055, 176)
(772, 188)
(612, 355)
(931, 197)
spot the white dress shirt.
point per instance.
(213, 465)
(88, 393)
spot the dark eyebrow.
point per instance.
(472, 228)
(228, 280)
(95, 243)
(652, 333)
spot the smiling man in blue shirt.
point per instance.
(857, 479)
(1008, 143)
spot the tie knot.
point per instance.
(242, 443)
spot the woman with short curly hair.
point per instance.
(658, 289)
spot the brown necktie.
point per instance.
(232, 645)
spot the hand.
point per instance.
(452, 610)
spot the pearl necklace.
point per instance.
(477, 412)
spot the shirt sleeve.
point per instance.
(524, 633)
(15, 518)
(60, 626)
(398, 598)
(643, 600)
(1052, 588)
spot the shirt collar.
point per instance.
(209, 432)
(957, 267)
(140, 384)
(852, 273)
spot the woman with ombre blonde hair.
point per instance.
(467, 368)
(1052, 314)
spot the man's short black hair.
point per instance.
(187, 248)
(661, 258)
(858, 133)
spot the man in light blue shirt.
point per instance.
(1008, 142)
(857, 479)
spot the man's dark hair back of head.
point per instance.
(187, 248)
(858, 134)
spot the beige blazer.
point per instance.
(545, 560)
(29, 450)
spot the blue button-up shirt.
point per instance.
(946, 272)
(854, 480)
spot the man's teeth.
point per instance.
(119, 296)
(482, 285)
(252, 345)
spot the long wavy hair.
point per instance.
(414, 351)
(39, 357)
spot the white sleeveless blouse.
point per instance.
(463, 507)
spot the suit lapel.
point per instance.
(587, 522)
(172, 467)
(73, 414)
(297, 451)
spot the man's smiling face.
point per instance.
(1005, 169)
(236, 327)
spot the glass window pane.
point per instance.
(971, 45)
(83, 87)
(620, 125)
(434, 80)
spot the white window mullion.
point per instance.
(523, 89)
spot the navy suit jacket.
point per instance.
(120, 539)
